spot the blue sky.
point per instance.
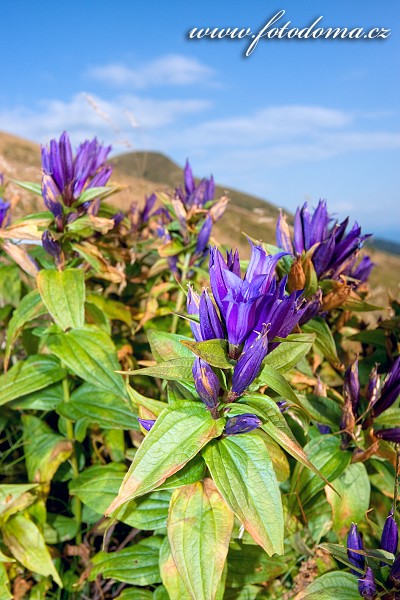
(297, 120)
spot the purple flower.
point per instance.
(239, 300)
(204, 235)
(193, 307)
(389, 435)
(351, 386)
(354, 542)
(334, 253)
(363, 270)
(71, 175)
(195, 196)
(117, 218)
(51, 246)
(394, 575)
(242, 424)
(367, 585)
(249, 364)
(4, 212)
(210, 324)
(148, 207)
(147, 424)
(390, 390)
(206, 382)
(390, 534)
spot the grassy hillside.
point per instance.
(142, 173)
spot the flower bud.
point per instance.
(248, 366)
(4, 212)
(394, 575)
(373, 386)
(147, 424)
(367, 585)
(210, 324)
(52, 247)
(283, 239)
(242, 424)
(390, 534)
(336, 297)
(206, 382)
(351, 386)
(354, 542)
(389, 435)
(297, 277)
(390, 390)
(204, 235)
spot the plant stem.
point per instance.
(181, 294)
(74, 463)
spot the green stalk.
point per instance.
(77, 505)
(181, 294)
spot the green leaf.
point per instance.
(170, 575)
(137, 565)
(10, 285)
(5, 582)
(276, 427)
(30, 307)
(336, 584)
(177, 369)
(193, 471)
(242, 471)
(167, 346)
(137, 399)
(116, 311)
(90, 354)
(340, 553)
(135, 594)
(276, 381)
(250, 564)
(290, 352)
(176, 437)
(30, 375)
(97, 486)
(47, 399)
(389, 418)
(44, 450)
(148, 512)
(324, 339)
(199, 530)
(95, 192)
(247, 592)
(358, 305)
(325, 454)
(323, 410)
(63, 293)
(214, 352)
(354, 488)
(15, 497)
(278, 457)
(36, 188)
(26, 544)
(109, 413)
(59, 528)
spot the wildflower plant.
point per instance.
(226, 460)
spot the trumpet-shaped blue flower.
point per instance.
(351, 386)
(242, 424)
(206, 382)
(390, 390)
(367, 585)
(354, 542)
(71, 175)
(390, 534)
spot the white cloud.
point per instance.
(87, 116)
(169, 70)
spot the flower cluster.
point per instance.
(389, 543)
(333, 252)
(189, 215)
(248, 314)
(65, 176)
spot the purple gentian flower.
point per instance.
(373, 386)
(71, 175)
(206, 382)
(390, 390)
(242, 424)
(248, 366)
(389, 435)
(210, 324)
(354, 542)
(394, 575)
(363, 270)
(204, 235)
(147, 424)
(390, 534)
(334, 253)
(4, 212)
(367, 585)
(51, 246)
